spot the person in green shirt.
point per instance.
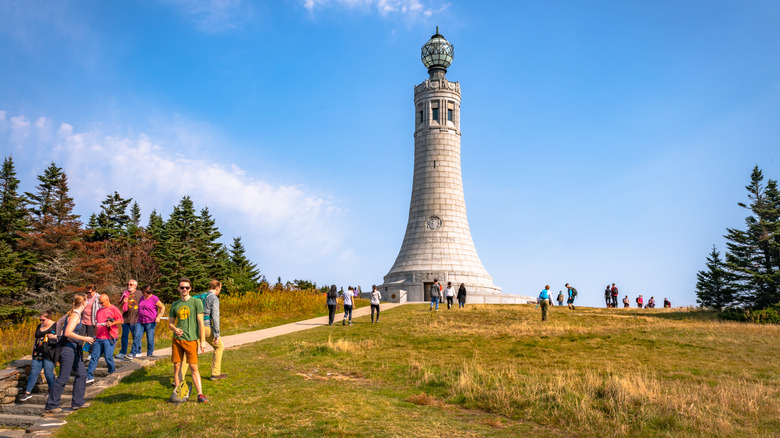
(189, 333)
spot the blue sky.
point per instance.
(602, 141)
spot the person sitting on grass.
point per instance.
(186, 323)
(107, 318)
(667, 304)
(651, 303)
(626, 304)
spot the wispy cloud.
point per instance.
(409, 8)
(215, 16)
(277, 217)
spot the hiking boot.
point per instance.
(218, 377)
(119, 356)
(84, 406)
(25, 397)
(90, 381)
(350, 323)
(127, 358)
(53, 411)
(202, 399)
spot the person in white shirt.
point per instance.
(449, 293)
(348, 296)
(376, 297)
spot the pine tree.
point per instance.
(244, 273)
(11, 282)
(716, 286)
(754, 254)
(13, 211)
(42, 200)
(135, 219)
(177, 250)
(113, 220)
(212, 255)
(155, 225)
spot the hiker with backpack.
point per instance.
(640, 301)
(608, 296)
(614, 291)
(544, 301)
(42, 355)
(333, 295)
(435, 294)
(572, 295)
(210, 301)
(560, 298)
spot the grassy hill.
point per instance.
(485, 371)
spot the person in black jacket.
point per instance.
(42, 355)
(462, 296)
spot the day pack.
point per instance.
(202, 297)
(573, 292)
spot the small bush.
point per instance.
(770, 315)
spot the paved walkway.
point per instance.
(259, 335)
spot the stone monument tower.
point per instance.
(438, 243)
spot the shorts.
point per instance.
(181, 348)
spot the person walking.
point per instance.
(211, 322)
(572, 295)
(42, 355)
(150, 311)
(349, 296)
(107, 318)
(186, 323)
(70, 359)
(435, 294)
(608, 296)
(376, 298)
(560, 298)
(91, 306)
(129, 304)
(462, 296)
(544, 301)
(332, 302)
(614, 291)
(449, 294)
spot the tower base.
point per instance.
(414, 286)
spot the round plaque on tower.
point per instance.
(433, 223)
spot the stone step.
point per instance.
(40, 399)
(22, 409)
(43, 388)
(21, 421)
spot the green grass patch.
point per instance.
(485, 371)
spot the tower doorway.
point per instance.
(427, 291)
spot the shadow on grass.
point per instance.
(126, 397)
(679, 315)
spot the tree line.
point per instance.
(747, 279)
(47, 253)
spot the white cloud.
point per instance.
(278, 220)
(409, 8)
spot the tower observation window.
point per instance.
(436, 114)
(449, 114)
(421, 116)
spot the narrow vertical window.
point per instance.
(421, 116)
(449, 114)
(436, 114)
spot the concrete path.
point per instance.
(259, 335)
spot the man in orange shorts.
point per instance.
(189, 333)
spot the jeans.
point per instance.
(375, 307)
(35, 370)
(105, 348)
(148, 328)
(461, 303)
(435, 300)
(449, 302)
(348, 311)
(136, 330)
(70, 362)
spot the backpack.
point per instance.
(573, 292)
(202, 297)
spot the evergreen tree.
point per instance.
(212, 255)
(244, 273)
(754, 254)
(715, 287)
(113, 220)
(177, 250)
(13, 211)
(135, 219)
(40, 202)
(11, 282)
(155, 225)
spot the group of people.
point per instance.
(349, 303)
(611, 298)
(91, 328)
(438, 292)
(544, 300)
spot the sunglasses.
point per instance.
(184, 288)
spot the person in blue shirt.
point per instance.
(544, 301)
(572, 295)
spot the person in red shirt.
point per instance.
(108, 318)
